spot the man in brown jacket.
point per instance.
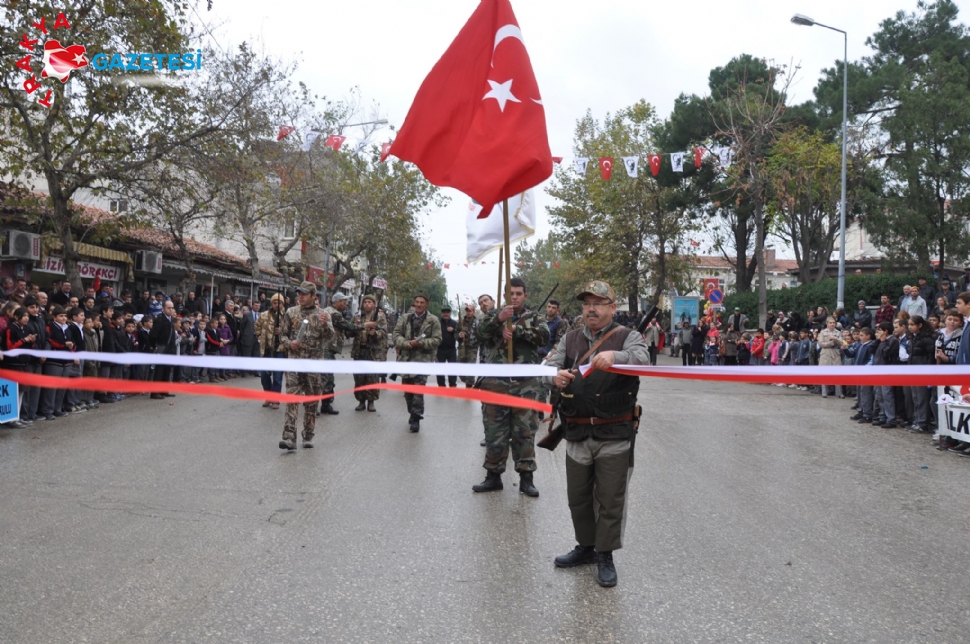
(268, 328)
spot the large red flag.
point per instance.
(477, 123)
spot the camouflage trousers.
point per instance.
(327, 378)
(307, 384)
(366, 379)
(472, 358)
(415, 402)
(508, 429)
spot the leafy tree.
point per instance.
(915, 89)
(547, 263)
(644, 220)
(98, 130)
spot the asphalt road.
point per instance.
(757, 514)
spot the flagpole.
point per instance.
(498, 291)
(508, 269)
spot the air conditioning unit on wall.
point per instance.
(148, 261)
(21, 245)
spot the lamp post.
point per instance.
(805, 21)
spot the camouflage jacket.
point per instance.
(469, 344)
(342, 327)
(315, 336)
(530, 334)
(561, 330)
(266, 331)
(429, 334)
(367, 346)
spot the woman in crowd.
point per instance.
(922, 352)
(830, 352)
(697, 337)
(227, 335)
(213, 345)
(730, 340)
(940, 309)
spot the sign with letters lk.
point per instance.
(9, 394)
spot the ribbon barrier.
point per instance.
(916, 376)
(142, 386)
(359, 367)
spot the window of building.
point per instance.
(289, 229)
(118, 205)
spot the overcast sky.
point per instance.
(598, 56)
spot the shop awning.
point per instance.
(97, 252)
(208, 271)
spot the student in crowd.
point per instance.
(75, 342)
(38, 327)
(862, 355)
(53, 399)
(115, 341)
(922, 352)
(758, 348)
(18, 336)
(887, 354)
(213, 346)
(90, 368)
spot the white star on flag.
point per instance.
(501, 92)
(632, 165)
(580, 163)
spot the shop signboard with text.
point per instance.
(87, 270)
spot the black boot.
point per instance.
(414, 424)
(327, 408)
(606, 571)
(492, 483)
(370, 406)
(579, 556)
(361, 406)
(525, 484)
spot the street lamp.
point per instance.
(805, 21)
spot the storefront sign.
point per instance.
(379, 282)
(84, 269)
(315, 274)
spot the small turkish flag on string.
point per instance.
(606, 168)
(477, 123)
(695, 243)
(96, 285)
(654, 160)
(557, 160)
(698, 156)
(385, 150)
(285, 131)
(447, 265)
(335, 141)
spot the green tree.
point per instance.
(646, 220)
(546, 263)
(99, 130)
(915, 89)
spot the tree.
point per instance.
(98, 130)
(646, 220)
(916, 89)
(547, 263)
(751, 116)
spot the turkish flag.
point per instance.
(654, 160)
(698, 156)
(477, 122)
(285, 131)
(606, 168)
(385, 150)
(60, 61)
(557, 160)
(335, 141)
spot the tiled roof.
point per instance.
(712, 261)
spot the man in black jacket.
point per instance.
(163, 336)
(115, 341)
(38, 327)
(447, 351)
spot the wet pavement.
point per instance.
(757, 514)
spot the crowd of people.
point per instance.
(99, 321)
(911, 332)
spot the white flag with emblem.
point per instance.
(485, 235)
(580, 163)
(677, 161)
(726, 157)
(631, 164)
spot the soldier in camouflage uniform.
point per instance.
(416, 339)
(305, 330)
(468, 342)
(370, 343)
(558, 326)
(505, 426)
(342, 329)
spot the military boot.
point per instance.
(370, 406)
(360, 406)
(606, 571)
(326, 407)
(289, 445)
(525, 484)
(492, 483)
